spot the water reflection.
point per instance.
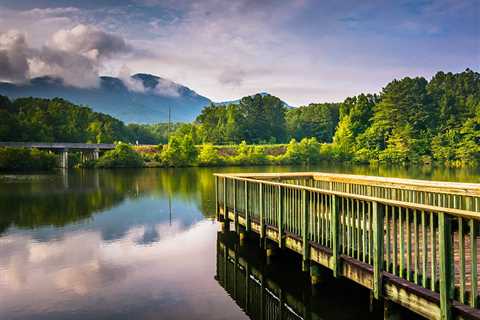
(131, 244)
(264, 291)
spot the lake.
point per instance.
(143, 244)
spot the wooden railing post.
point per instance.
(235, 211)
(446, 272)
(305, 220)
(378, 212)
(225, 210)
(280, 217)
(217, 211)
(247, 216)
(261, 213)
(335, 221)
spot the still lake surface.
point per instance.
(142, 244)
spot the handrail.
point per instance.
(460, 188)
(410, 205)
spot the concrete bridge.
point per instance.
(411, 242)
(87, 150)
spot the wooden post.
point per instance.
(235, 212)
(225, 210)
(378, 212)
(217, 211)
(446, 272)
(262, 222)
(335, 213)
(280, 217)
(247, 215)
(305, 218)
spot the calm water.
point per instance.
(142, 244)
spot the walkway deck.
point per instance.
(412, 242)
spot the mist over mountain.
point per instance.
(141, 98)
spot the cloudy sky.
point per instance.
(301, 50)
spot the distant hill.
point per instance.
(143, 98)
(226, 103)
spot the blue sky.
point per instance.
(302, 50)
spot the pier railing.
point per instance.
(415, 242)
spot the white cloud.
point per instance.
(76, 55)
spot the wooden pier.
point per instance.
(412, 242)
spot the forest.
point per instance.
(411, 120)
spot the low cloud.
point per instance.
(13, 59)
(75, 55)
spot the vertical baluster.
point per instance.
(395, 237)
(387, 240)
(349, 229)
(402, 244)
(446, 274)
(364, 233)
(305, 217)
(261, 213)
(334, 220)
(378, 212)
(461, 252)
(370, 233)
(280, 216)
(474, 266)
(409, 244)
(417, 246)
(424, 251)
(434, 253)
(247, 215)
(357, 215)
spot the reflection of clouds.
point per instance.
(81, 269)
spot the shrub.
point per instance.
(123, 156)
(209, 155)
(306, 151)
(21, 159)
(179, 152)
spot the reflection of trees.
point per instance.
(58, 200)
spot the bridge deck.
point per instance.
(59, 145)
(413, 242)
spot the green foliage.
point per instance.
(413, 121)
(209, 155)
(179, 152)
(256, 119)
(314, 120)
(123, 156)
(20, 159)
(307, 151)
(56, 120)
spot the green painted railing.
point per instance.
(424, 232)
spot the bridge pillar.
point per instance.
(64, 159)
(96, 154)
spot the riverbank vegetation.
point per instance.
(411, 120)
(19, 159)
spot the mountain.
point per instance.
(263, 94)
(143, 98)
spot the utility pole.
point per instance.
(169, 122)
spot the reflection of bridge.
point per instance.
(411, 242)
(87, 150)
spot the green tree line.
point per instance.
(410, 120)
